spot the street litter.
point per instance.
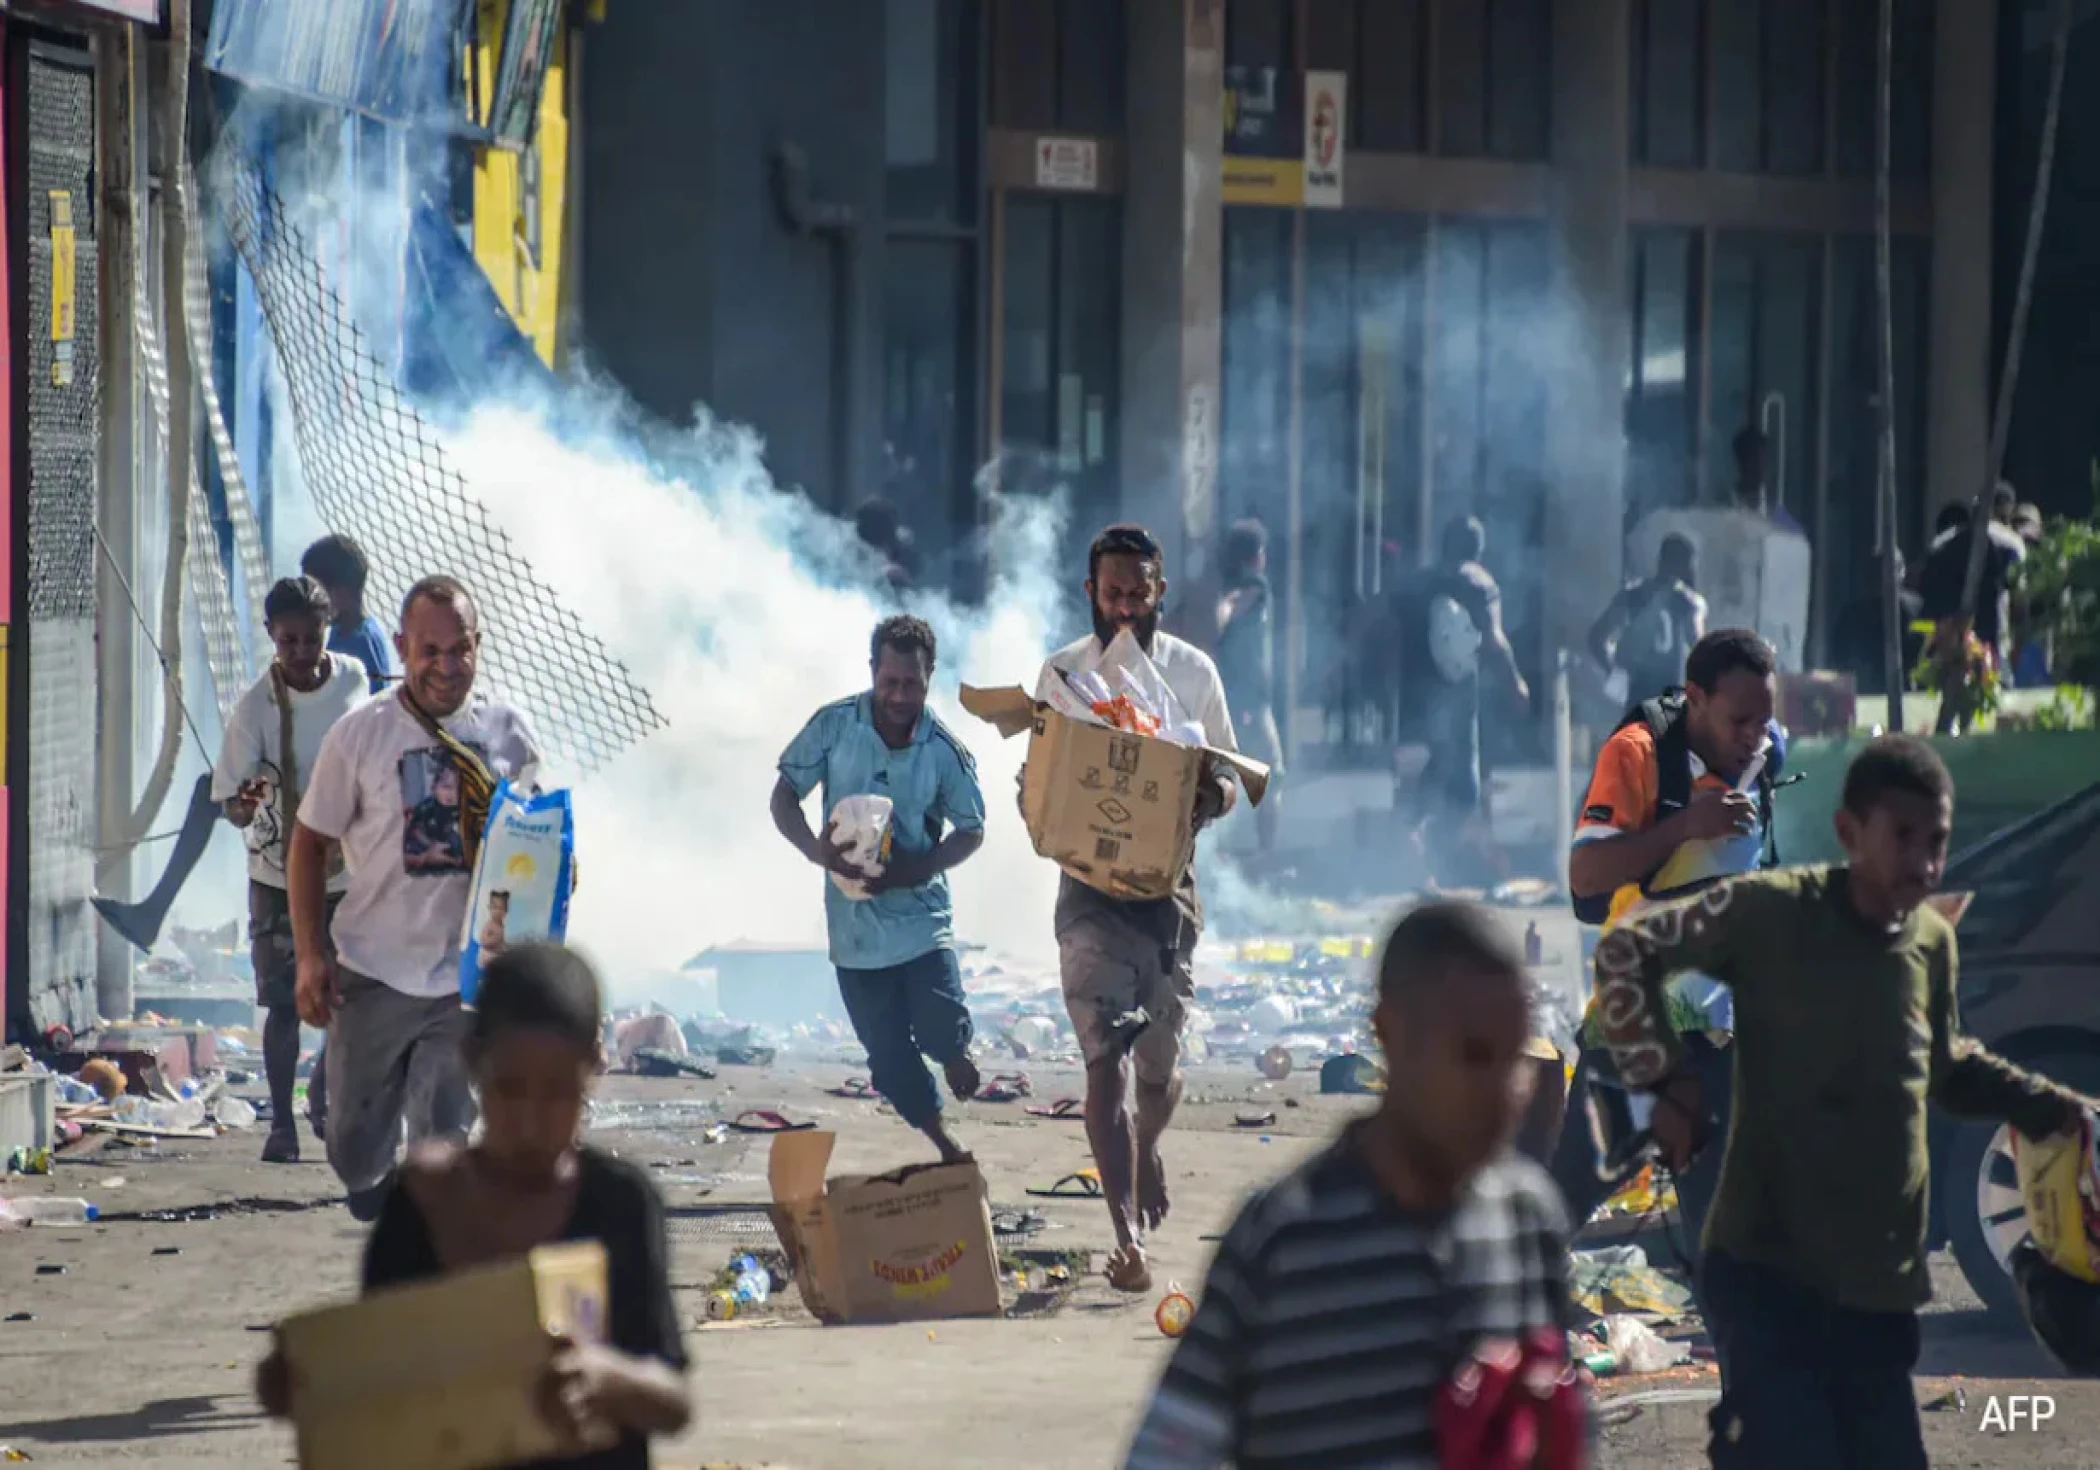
(1638, 1348)
(1619, 1279)
(1174, 1312)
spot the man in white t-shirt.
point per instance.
(1118, 957)
(305, 691)
(392, 788)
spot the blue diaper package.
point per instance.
(522, 878)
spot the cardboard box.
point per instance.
(442, 1375)
(1115, 810)
(903, 1247)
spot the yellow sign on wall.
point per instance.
(521, 198)
(65, 286)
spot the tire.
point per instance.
(1980, 1194)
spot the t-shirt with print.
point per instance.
(253, 750)
(388, 792)
(368, 643)
(932, 786)
(1192, 678)
(1621, 801)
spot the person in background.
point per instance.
(1648, 629)
(1345, 1296)
(895, 949)
(1946, 572)
(882, 530)
(1631, 847)
(1127, 965)
(401, 786)
(338, 564)
(2030, 665)
(1753, 479)
(533, 1050)
(302, 695)
(1246, 654)
(1459, 638)
(1845, 979)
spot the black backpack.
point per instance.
(1664, 717)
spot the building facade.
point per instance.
(1351, 266)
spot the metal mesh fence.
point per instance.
(377, 471)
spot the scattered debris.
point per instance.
(1619, 1279)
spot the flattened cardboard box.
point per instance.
(1115, 810)
(444, 1374)
(902, 1247)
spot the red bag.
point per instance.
(1514, 1406)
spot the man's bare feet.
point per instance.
(963, 1078)
(1152, 1201)
(1127, 1270)
(951, 1151)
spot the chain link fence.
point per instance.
(377, 472)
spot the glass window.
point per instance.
(1669, 71)
(1027, 401)
(929, 375)
(1092, 44)
(1519, 77)
(1258, 33)
(1386, 94)
(932, 111)
(1766, 322)
(1513, 433)
(1662, 387)
(1455, 368)
(1853, 146)
(1461, 74)
(1731, 361)
(1024, 66)
(1910, 103)
(1738, 55)
(1255, 424)
(1793, 87)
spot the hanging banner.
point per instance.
(1264, 158)
(531, 38)
(1326, 119)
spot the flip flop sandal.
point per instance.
(855, 1089)
(653, 1063)
(1254, 1120)
(1018, 1223)
(1065, 1109)
(764, 1120)
(1006, 1087)
(1085, 1184)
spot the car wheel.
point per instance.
(1980, 1190)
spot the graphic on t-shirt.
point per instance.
(430, 836)
(266, 827)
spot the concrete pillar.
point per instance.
(1587, 335)
(1961, 373)
(1172, 281)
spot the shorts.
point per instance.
(1111, 968)
(270, 950)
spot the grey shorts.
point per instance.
(270, 951)
(1111, 968)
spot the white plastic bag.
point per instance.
(1638, 1347)
(1128, 670)
(861, 828)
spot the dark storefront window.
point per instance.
(1059, 375)
(1669, 92)
(1910, 106)
(1057, 65)
(929, 399)
(1768, 86)
(1662, 389)
(1259, 33)
(931, 132)
(1763, 350)
(1386, 93)
(1494, 76)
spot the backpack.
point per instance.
(1664, 717)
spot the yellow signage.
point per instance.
(65, 285)
(1273, 181)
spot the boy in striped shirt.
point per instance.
(1348, 1298)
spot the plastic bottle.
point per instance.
(754, 1283)
(48, 1210)
(232, 1112)
(153, 1112)
(72, 1091)
(1534, 946)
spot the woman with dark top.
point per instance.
(1246, 659)
(528, 1182)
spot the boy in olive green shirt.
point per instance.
(1846, 1023)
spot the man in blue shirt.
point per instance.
(338, 564)
(895, 949)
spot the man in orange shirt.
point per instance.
(1680, 798)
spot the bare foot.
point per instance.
(951, 1151)
(963, 1078)
(1152, 1201)
(1127, 1270)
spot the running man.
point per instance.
(401, 786)
(1845, 986)
(895, 949)
(1120, 957)
(257, 781)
